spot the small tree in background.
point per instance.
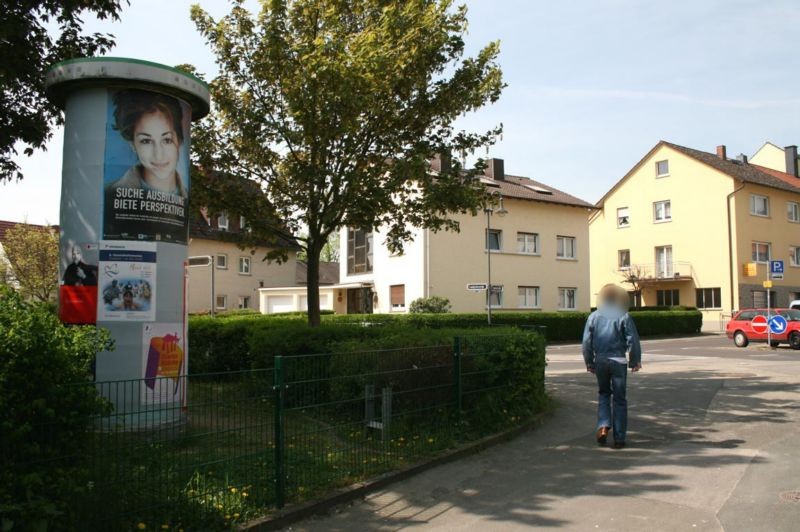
(336, 108)
(430, 305)
(634, 276)
(32, 255)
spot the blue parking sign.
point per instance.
(776, 266)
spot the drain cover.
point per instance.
(791, 496)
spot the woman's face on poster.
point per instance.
(156, 144)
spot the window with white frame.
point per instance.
(242, 223)
(793, 211)
(528, 243)
(221, 302)
(244, 301)
(359, 251)
(222, 221)
(495, 297)
(759, 205)
(761, 252)
(529, 297)
(662, 168)
(662, 211)
(794, 255)
(222, 262)
(244, 265)
(565, 247)
(494, 239)
(397, 296)
(624, 259)
(623, 217)
(566, 298)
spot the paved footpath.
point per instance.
(713, 444)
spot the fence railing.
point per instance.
(243, 442)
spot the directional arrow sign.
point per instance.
(759, 324)
(777, 324)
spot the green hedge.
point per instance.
(249, 341)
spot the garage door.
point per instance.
(280, 304)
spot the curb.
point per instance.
(292, 514)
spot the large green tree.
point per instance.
(336, 107)
(31, 252)
(35, 34)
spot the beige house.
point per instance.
(536, 238)
(237, 273)
(699, 229)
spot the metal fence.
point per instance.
(244, 442)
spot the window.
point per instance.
(566, 298)
(759, 205)
(243, 224)
(709, 298)
(528, 243)
(793, 211)
(244, 301)
(761, 252)
(222, 262)
(623, 217)
(668, 298)
(624, 259)
(529, 297)
(794, 255)
(760, 298)
(662, 211)
(494, 239)
(397, 296)
(222, 222)
(359, 251)
(662, 168)
(222, 302)
(495, 296)
(664, 266)
(565, 247)
(244, 265)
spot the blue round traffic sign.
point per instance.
(777, 324)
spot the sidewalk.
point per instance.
(713, 445)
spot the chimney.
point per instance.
(495, 169)
(441, 162)
(722, 153)
(742, 158)
(791, 160)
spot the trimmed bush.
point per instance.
(43, 419)
(431, 305)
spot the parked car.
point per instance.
(795, 304)
(740, 328)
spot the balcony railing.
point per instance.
(660, 271)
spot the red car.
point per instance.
(740, 328)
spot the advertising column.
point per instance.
(124, 224)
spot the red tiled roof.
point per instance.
(527, 189)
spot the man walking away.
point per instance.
(610, 346)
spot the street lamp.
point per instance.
(489, 210)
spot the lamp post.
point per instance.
(489, 210)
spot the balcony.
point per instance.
(678, 271)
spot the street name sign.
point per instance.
(477, 287)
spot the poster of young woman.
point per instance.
(127, 281)
(146, 167)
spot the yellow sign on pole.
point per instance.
(750, 269)
(767, 284)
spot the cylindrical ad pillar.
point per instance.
(124, 225)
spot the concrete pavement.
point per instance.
(713, 444)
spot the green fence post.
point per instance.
(457, 376)
(280, 476)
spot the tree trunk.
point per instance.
(312, 281)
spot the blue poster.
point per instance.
(146, 167)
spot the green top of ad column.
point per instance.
(89, 72)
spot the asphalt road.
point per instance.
(713, 444)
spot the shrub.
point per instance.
(431, 305)
(42, 418)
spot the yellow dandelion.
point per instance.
(236, 516)
(227, 516)
(244, 494)
(164, 527)
(234, 490)
(430, 440)
(141, 526)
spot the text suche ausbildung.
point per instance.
(139, 199)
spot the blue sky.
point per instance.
(592, 85)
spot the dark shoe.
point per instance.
(602, 434)
(619, 444)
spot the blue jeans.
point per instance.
(611, 379)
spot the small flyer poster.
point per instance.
(77, 291)
(127, 290)
(163, 362)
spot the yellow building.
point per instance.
(681, 226)
(536, 238)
